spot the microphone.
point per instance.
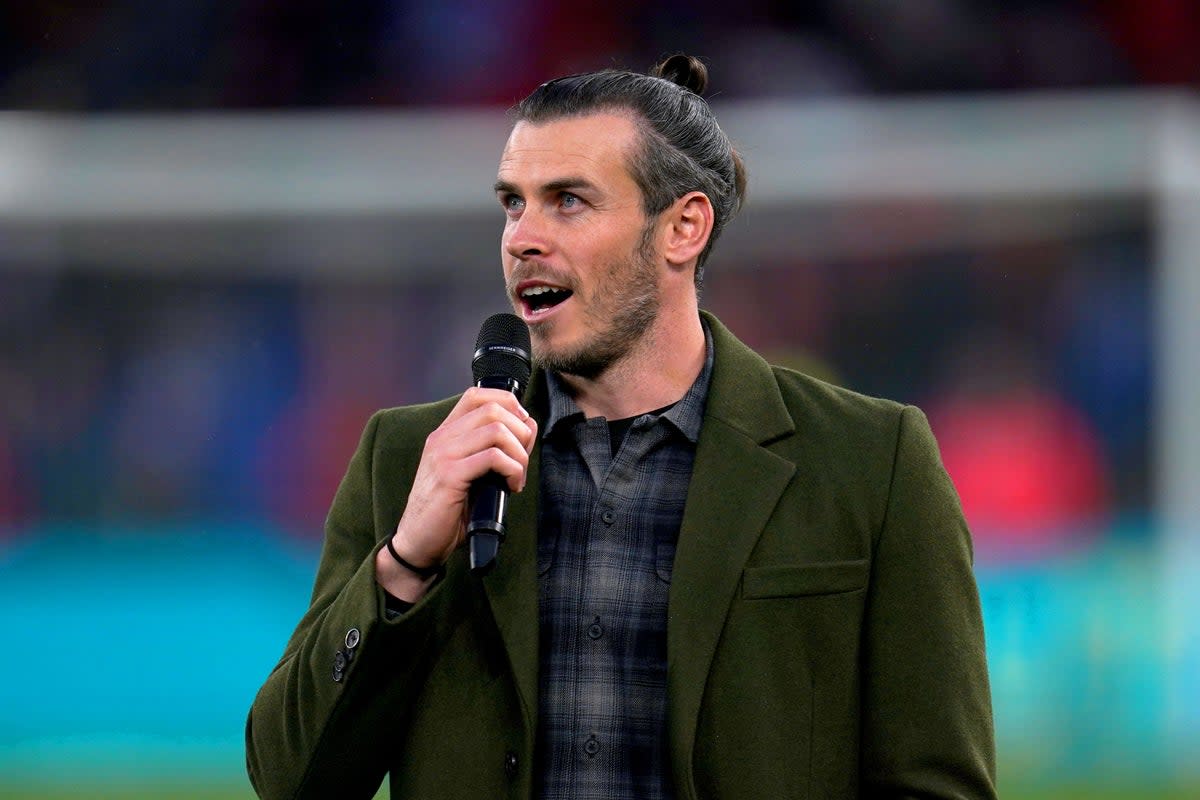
(501, 361)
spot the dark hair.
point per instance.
(682, 147)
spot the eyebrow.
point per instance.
(559, 185)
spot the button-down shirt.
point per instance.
(607, 527)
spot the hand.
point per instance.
(486, 431)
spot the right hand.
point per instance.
(486, 431)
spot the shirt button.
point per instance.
(608, 516)
(510, 764)
(591, 746)
(595, 630)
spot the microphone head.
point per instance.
(502, 350)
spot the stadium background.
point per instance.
(230, 231)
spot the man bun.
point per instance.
(684, 70)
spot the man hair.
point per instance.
(681, 148)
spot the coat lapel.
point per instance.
(512, 588)
(735, 485)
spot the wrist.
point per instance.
(424, 572)
(396, 580)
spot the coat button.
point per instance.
(339, 661)
(510, 764)
(353, 637)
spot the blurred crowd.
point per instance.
(160, 399)
(1033, 363)
(128, 396)
(139, 54)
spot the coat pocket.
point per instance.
(798, 580)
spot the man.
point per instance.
(721, 579)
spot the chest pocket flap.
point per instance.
(798, 580)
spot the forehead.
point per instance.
(595, 146)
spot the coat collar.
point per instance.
(744, 394)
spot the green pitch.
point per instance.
(1146, 791)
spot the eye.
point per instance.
(512, 203)
(568, 200)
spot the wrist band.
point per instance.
(436, 571)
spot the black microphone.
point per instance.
(501, 361)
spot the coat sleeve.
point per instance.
(927, 719)
(328, 725)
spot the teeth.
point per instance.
(534, 291)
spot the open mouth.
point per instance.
(542, 298)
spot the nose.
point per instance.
(526, 235)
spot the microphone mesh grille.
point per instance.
(502, 349)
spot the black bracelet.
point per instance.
(436, 571)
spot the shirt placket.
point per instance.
(615, 545)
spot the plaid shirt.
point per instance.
(607, 528)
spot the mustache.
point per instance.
(531, 271)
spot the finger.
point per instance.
(450, 435)
(494, 435)
(450, 455)
(477, 396)
(493, 459)
(523, 427)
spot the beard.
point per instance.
(617, 313)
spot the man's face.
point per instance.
(578, 265)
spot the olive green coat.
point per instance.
(824, 633)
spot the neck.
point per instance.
(658, 371)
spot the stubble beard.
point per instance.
(619, 313)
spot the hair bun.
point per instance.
(684, 70)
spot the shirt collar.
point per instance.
(686, 415)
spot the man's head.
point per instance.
(614, 186)
(681, 148)
(581, 264)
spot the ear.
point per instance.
(687, 225)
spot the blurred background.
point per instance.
(230, 231)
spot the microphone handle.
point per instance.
(487, 502)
